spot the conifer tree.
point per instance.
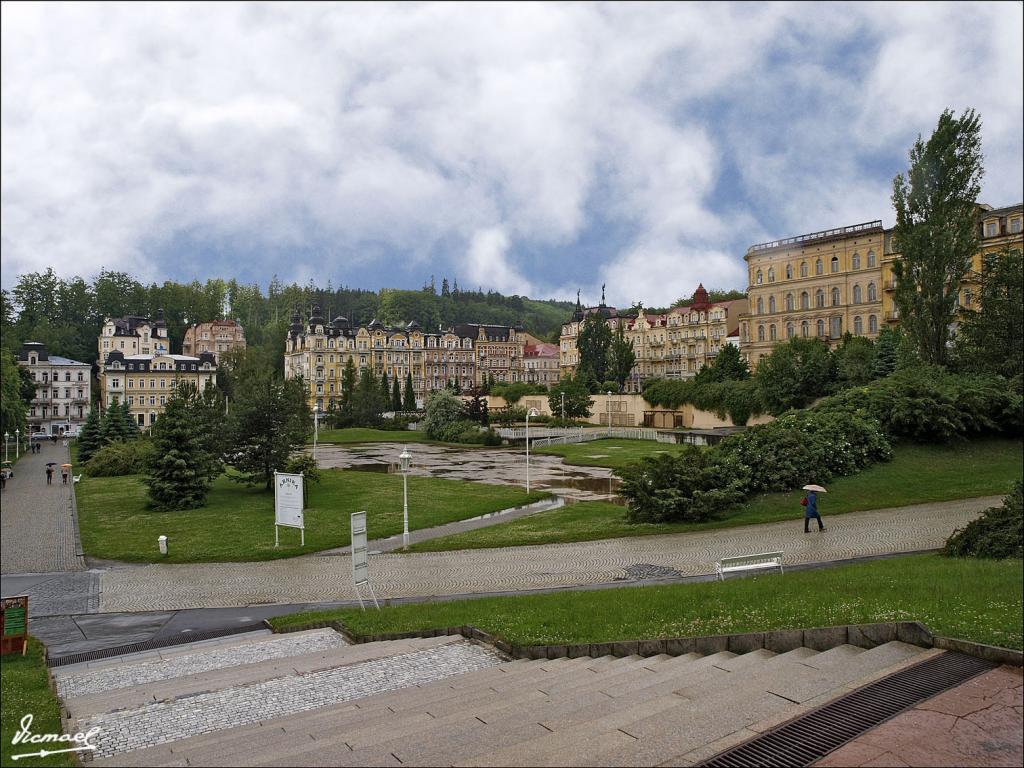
(385, 391)
(409, 397)
(89, 436)
(177, 475)
(886, 348)
(396, 396)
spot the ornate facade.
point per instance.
(147, 382)
(217, 337)
(133, 335)
(62, 395)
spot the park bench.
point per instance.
(765, 560)
(76, 478)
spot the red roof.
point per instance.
(540, 350)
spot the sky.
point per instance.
(531, 149)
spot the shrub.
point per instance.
(998, 533)
(304, 464)
(513, 393)
(444, 410)
(690, 487)
(120, 458)
(736, 399)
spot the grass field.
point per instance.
(610, 453)
(976, 600)
(916, 475)
(237, 523)
(361, 435)
(24, 690)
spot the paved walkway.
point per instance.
(38, 533)
(517, 569)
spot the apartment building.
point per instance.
(217, 337)
(569, 357)
(541, 363)
(133, 335)
(498, 351)
(318, 351)
(821, 284)
(63, 389)
(147, 381)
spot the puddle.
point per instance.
(386, 469)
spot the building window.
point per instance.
(803, 269)
(858, 326)
(789, 330)
(771, 304)
(836, 330)
(835, 264)
(771, 274)
(805, 301)
(789, 271)
(872, 324)
(805, 329)
(991, 229)
(821, 328)
(872, 292)
(760, 333)
(1015, 225)
(760, 305)
(855, 261)
(835, 297)
(856, 294)
(871, 259)
(758, 278)
(772, 334)
(818, 267)
(819, 298)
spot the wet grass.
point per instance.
(237, 522)
(609, 453)
(978, 600)
(25, 690)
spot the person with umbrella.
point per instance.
(810, 505)
(65, 470)
(49, 472)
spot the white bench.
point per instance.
(763, 561)
(76, 478)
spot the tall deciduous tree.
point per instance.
(936, 230)
(12, 405)
(270, 418)
(989, 340)
(728, 366)
(577, 398)
(593, 342)
(795, 373)
(621, 358)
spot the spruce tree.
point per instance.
(177, 476)
(385, 391)
(89, 436)
(127, 428)
(886, 347)
(396, 396)
(110, 424)
(409, 397)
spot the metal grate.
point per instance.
(148, 645)
(808, 738)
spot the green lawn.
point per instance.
(610, 453)
(360, 435)
(25, 689)
(237, 522)
(976, 600)
(917, 474)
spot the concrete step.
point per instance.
(242, 674)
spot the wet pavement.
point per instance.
(502, 466)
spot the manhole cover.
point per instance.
(642, 571)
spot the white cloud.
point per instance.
(494, 138)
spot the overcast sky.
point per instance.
(531, 149)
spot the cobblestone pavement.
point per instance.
(163, 722)
(38, 530)
(317, 579)
(58, 594)
(977, 723)
(151, 670)
(479, 465)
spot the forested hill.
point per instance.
(66, 315)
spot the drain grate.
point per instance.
(148, 645)
(810, 737)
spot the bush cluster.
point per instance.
(737, 400)
(120, 458)
(998, 533)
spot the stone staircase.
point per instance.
(309, 699)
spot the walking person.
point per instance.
(64, 475)
(810, 505)
(49, 475)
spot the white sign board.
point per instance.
(360, 557)
(288, 503)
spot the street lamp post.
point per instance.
(531, 412)
(563, 406)
(7, 447)
(316, 428)
(17, 444)
(404, 461)
(609, 399)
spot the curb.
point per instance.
(777, 641)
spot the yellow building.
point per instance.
(147, 381)
(820, 285)
(498, 351)
(133, 335)
(997, 229)
(569, 356)
(319, 350)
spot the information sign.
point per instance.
(14, 624)
(288, 509)
(360, 557)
